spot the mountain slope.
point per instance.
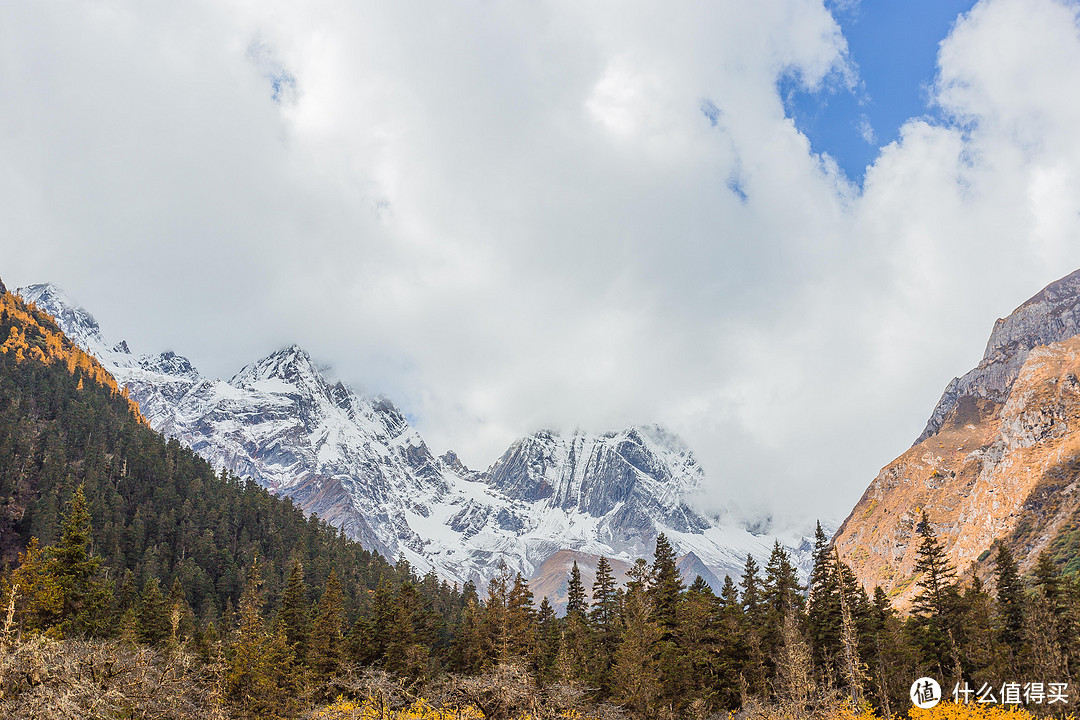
(1001, 459)
(356, 462)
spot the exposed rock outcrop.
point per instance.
(998, 461)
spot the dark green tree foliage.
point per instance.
(521, 618)
(294, 618)
(666, 584)
(548, 641)
(604, 621)
(327, 642)
(1010, 597)
(937, 604)
(824, 617)
(153, 506)
(575, 593)
(152, 616)
(86, 602)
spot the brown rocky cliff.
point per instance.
(997, 469)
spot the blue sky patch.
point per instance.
(894, 46)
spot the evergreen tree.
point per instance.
(327, 640)
(39, 595)
(86, 601)
(293, 618)
(604, 617)
(824, 613)
(1010, 597)
(575, 593)
(936, 604)
(636, 677)
(152, 615)
(750, 583)
(548, 637)
(666, 585)
(521, 616)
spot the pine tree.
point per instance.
(824, 614)
(781, 590)
(293, 617)
(521, 616)
(936, 605)
(327, 640)
(39, 596)
(666, 585)
(548, 636)
(575, 593)
(1010, 597)
(152, 615)
(750, 583)
(755, 613)
(635, 676)
(733, 648)
(852, 669)
(86, 600)
(604, 618)
(1047, 579)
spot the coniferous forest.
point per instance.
(138, 582)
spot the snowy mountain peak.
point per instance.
(356, 462)
(290, 367)
(78, 324)
(167, 363)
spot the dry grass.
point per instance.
(48, 679)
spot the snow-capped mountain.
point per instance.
(357, 463)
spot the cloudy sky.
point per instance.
(779, 228)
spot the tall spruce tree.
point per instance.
(327, 639)
(86, 600)
(1010, 597)
(575, 593)
(293, 616)
(824, 616)
(666, 585)
(936, 605)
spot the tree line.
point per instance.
(111, 532)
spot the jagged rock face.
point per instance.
(1001, 465)
(357, 463)
(1050, 316)
(638, 476)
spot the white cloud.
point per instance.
(514, 215)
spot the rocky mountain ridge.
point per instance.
(999, 460)
(357, 463)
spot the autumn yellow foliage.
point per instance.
(35, 336)
(972, 711)
(371, 709)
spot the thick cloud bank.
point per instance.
(515, 215)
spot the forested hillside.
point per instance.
(140, 583)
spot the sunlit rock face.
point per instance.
(998, 461)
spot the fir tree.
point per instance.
(548, 635)
(1010, 597)
(86, 601)
(327, 640)
(575, 593)
(152, 616)
(293, 617)
(666, 585)
(936, 604)
(604, 620)
(521, 616)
